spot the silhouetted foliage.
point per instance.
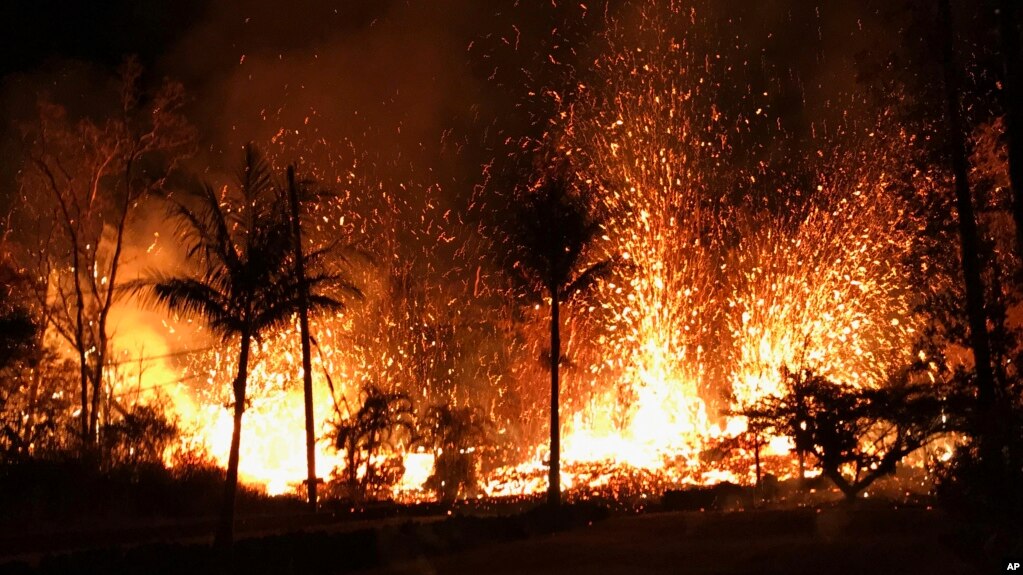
(243, 285)
(17, 335)
(549, 237)
(456, 435)
(988, 490)
(856, 435)
(140, 436)
(382, 424)
(35, 382)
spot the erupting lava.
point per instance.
(721, 292)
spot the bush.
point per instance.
(856, 435)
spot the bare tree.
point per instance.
(86, 178)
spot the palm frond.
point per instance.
(589, 278)
(186, 296)
(255, 179)
(550, 231)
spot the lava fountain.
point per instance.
(640, 133)
(723, 290)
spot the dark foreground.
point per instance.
(834, 541)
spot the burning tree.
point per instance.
(91, 176)
(857, 435)
(549, 238)
(244, 286)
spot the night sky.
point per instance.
(437, 89)
(770, 183)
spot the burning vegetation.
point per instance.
(664, 279)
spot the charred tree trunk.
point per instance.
(756, 457)
(554, 477)
(969, 238)
(96, 379)
(1013, 110)
(801, 457)
(225, 530)
(303, 318)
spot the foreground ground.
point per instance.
(832, 541)
(868, 537)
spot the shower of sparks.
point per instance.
(640, 133)
(722, 290)
(827, 285)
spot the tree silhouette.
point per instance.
(1009, 36)
(244, 286)
(856, 435)
(380, 422)
(969, 245)
(140, 436)
(455, 434)
(36, 399)
(549, 235)
(85, 179)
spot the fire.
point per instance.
(832, 295)
(665, 416)
(721, 292)
(273, 443)
(273, 428)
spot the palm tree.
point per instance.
(454, 434)
(383, 419)
(549, 237)
(244, 284)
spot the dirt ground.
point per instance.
(831, 541)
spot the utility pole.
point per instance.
(303, 318)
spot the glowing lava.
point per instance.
(721, 291)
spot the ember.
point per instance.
(388, 256)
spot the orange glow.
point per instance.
(721, 293)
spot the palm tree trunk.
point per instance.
(756, 458)
(303, 318)
(969, 241)
(352, 471)
(225, 531)
(554, 479)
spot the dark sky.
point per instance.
(429, 89)
(35, 31)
